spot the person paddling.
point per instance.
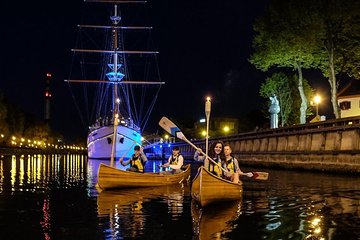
(137, 160)
(217, 154)
(175, 161)
(231, 164)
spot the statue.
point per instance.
(274, 109)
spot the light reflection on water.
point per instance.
(54, 197)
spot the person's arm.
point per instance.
(168, 162)
(124, 163)
(198, 157)
(238, 170)
(179, 163)
(143, 155)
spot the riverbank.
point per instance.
(18, 150)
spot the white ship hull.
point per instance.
(99, 142)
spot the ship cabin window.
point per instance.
(346, 105)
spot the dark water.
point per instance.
(55, 197)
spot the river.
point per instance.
(55, 197)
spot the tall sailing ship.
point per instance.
(120, 98)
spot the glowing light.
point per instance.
(166, 136)
(203, 133)
(208, 99)
(118, 100)
(317, 99)
(226, 129)
(202, 120)
(316, 221)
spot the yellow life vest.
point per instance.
(174, 160)
(136, 162)
(215, 168)
(230, 165)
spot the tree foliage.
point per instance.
(285, 88)
(339, 42)
(282, 40)
(322, 35)
(4, 127)
(15, 122)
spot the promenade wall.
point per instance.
(332, 146)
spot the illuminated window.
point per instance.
(346, 105)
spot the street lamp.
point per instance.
(226, 129)
(317, 100)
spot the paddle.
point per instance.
(171, 128)
(127, 151)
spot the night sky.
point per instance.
(204, 49)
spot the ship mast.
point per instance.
(116, 55)
(116, 100)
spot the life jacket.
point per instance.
(136, 162)
(174, 160)
(215, 168)
(230, 165)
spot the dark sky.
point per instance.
(203, 45)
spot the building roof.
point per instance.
(352, 89)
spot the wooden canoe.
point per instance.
(110, 178)
(207, 189)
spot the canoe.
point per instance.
(207, 188)
(110, 178)
(211, 223)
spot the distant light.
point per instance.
(154, 147)
(317, 99)
(48, 74)
(169, 145)
(226, 129)
(118, 100)
(47, 94)
(208, 99)
(203, 133)
(202, 120)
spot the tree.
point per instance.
(283, 38)
(39, 132)
(339, 42)
(279, 85)
(285, 88)
(4, 127)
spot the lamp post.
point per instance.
(207, 114)
(317, 100)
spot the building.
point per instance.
(217, 127)
(349, 99)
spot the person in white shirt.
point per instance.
(175, 161)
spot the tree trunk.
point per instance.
(304, 105)
(332, 81)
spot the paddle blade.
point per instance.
(171, 128)
(260, 175)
